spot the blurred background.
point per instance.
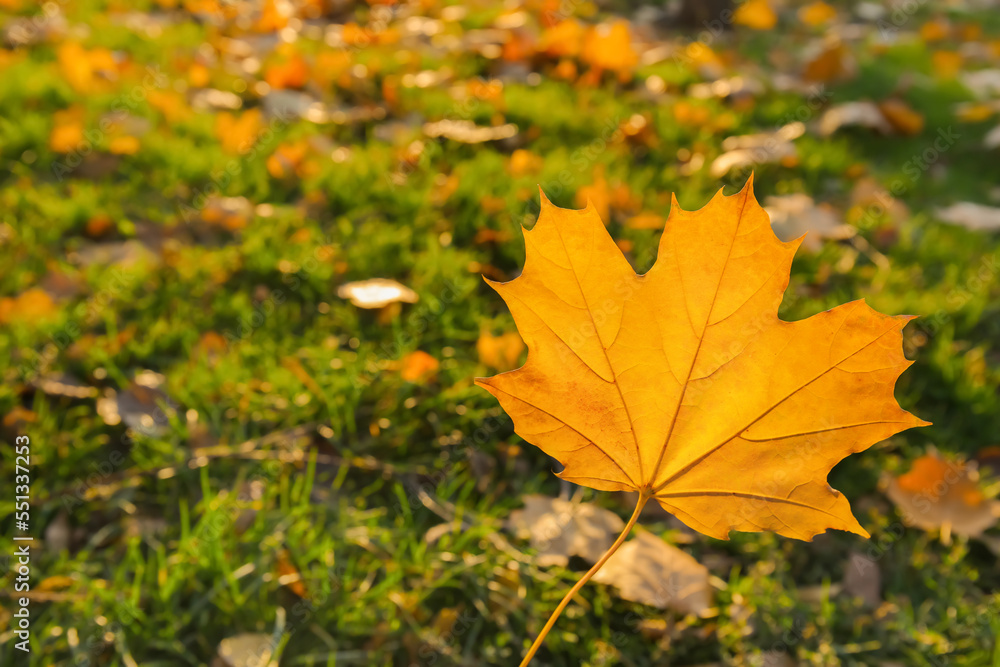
(242, 309)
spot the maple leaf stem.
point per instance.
(644, 496)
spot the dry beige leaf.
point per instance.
(559, 529)
(752, 149)
(992, 138)
(797, 214)
(983, 83)
(246, 650)
(938, 494)
(467, 132)
(376, 293)
(748, 157)
(976, 217)
(650, 571)
(864, 113)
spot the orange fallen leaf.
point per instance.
(499, 352)
(939, 494)
(273, 16)
(935, 30)
(289, 575)
(286, 161)
(946, 64)
(817, 13)
(756, 14)
(124, 145)
(830, 64)
(291, 71)
(683, 385)
(85, 70)
(597, 193)
(199, 75)
(677, 382)
(34, 304)
(901, 116)
(171, 104)
(67, 133)
(646, 220)
(238, 134)
(609, 47)
(523, 162)
(563, 40)
(418, 366)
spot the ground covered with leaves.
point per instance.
(237, 445)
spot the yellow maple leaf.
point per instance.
(683, 385)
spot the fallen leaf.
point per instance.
(29, 306)
(649, 571)
(238, 134)
(935, 30)
(523, 162)
(976, 217)
(938, 494)
(756, 14)
(901, 116)
(946, 64)
(55, 583)
(597, 193)
(86, 70)
(418, 366)
(563, 40)
(18, 418)
(797, 214)
(832, 63)
(289, 575)
(983, 83)
(499, 352)
(467, 132)
(817, 13)
(992, 138)
(608, 46)
(646, 220)
(752, 149)
(229, 213)
(124, 145)
(864, 113)
(246, 650)
(560, 528)
(677, 382)
(376, 293)
(67, 131)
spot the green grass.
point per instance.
(173, 547)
